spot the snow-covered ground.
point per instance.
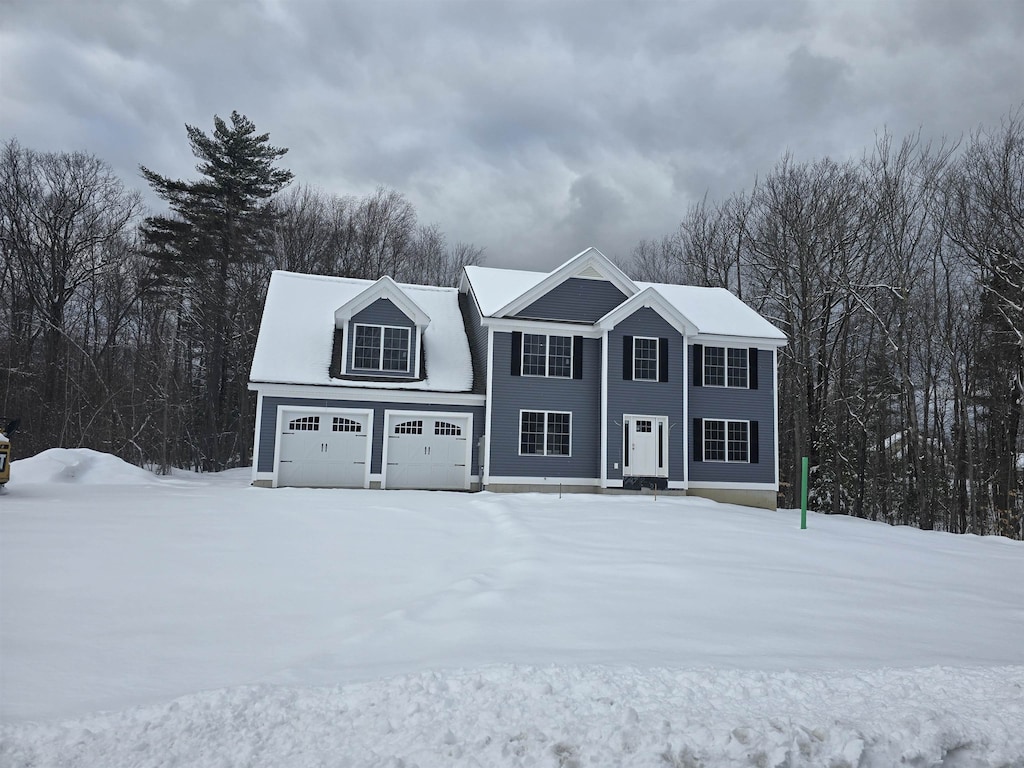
(193, 620)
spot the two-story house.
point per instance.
(579, 379)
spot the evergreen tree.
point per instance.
(219, 225)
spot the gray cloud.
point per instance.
(530, 129)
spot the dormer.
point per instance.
(379, 334)
(582, 290)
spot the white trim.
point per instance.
(488, 408)
(651, 299)
(775, 407)
(389, 414)
(581, 262)
(256, 439)
(384, 288)
(657, 357)
(709, 484)
(546, 414)
(321, 410)
(687, 425)
(718, 340)
(553, 327)
(677, 485)
(380, 354)
(325, 392)
(531, 480)
(604, 409)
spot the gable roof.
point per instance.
(385, 288)
(649, 297)
(297, 333)
(588, 264)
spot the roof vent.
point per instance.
(591, 272)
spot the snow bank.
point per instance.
(563, 716)
(79, 466)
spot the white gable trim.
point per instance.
(385, 288)
(648, 297)
(590, 264)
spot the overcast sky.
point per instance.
(531, 129)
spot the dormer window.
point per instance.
(381, 348)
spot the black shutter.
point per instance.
(517, 353)
(698, 365)
(752, 367)
(662, 359)
(698, 440)
(754, 453)
(627, 358)
(577, 357)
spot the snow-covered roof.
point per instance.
(297, 334)
(494, 287)
(714, 311)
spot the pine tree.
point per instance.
(218, 224)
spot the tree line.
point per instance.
(133, 333)
(899, 280)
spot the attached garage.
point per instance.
(427, 450)
(324, 448)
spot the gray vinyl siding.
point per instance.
(477, 336)
(577, 299)
(268, 425)
(647, 398)
(381, 312)
(581, 397)
(737, 404)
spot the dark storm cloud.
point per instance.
(532, 129)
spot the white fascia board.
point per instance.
(507, 325)
(649, 298)
(737, 341)
(581, 262)
(270, 389)
(385, 288)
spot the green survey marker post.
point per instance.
(803, 496)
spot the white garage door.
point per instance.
(326, 449)
(428, 450)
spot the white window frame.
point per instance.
(547, 432)
(725, 426)
(657, 357)
(725, 362)
(547, 356)
(380, 350)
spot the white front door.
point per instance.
(645, 446)
(323, 449)
(427, 450)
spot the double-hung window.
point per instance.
(645, 358)
(381, 348)
(726, 440)
(726, 367)
(545, 355)
(544, 433)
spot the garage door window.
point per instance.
(444, 428)
(346, 425)
(305, 424)
(409, 427)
